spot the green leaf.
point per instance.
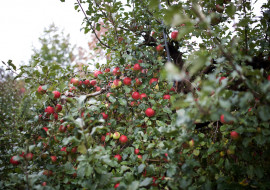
(112, 99)
(123, 102)
(146, 182)
(11, 64)
(167, 110)
(161, 123)
(264, 112)
(134, 185)
(141, 168)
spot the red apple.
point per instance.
(166, 97)
(136, 151)
(62, 129)
(64, 149)
(268, 78)
(140, 61)
(55, 115)
(74, 81)
(116, 185)
(97, 88)
(152, 80)
(127, 81)
(123, 139)
(136, 95)
(137, 67)
(107, 70)
(29, 156)
(53, 158)
(174, 35)
(116, 71)
(45, 129)
(139, 157)
(49, 110)
(40, 90)
(104, 115)
(235, 135)
(143, 95)
(159, 48)
(149, 112)
(14, 160)
(96, 73)
(93, 82)
(44, 184)
(87, 83)
(58, 108)
(138, 82)
(119, 157)
(103, 138)
(74, 150)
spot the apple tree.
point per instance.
(181, 102)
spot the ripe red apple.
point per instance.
(159, 48)
(53, 158)
(44, 184)
(64, 149)
(127, 81)
(139, 157)
(123, 139)
(104, 115)
(137, 67)
(49, 110)
(116, 185)
(96, 73)
(136, 95)
(55, 115)
(172, 89)
(73, 88)
(29, 156)
(152, 80)
(58, 108)
(140, 61)
(107, 70)
(74, 81)
(40, 90)
(87, 83)
(62, 129)
(74, 150)
(174, 35)
(80, 83)
(149, 112)
(103, 138)
(132, 103)
(14, 160)
(97, 88)
(119, 157)
(116, 71)
(234, 135)
(136, 151)
(116, 135)
(268, 78)
(143, 95)
(138, 82)
(166, 97)
(93, 82)
(116, 83)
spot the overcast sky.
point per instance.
(22, 22)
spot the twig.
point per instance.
(92, 26)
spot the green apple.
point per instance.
(116, 135)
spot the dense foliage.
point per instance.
(182, 102)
